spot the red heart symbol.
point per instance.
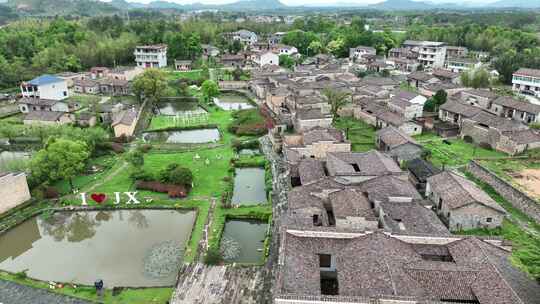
(98, 197)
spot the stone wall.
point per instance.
(517, 198)
(13, 191)
(233, 85)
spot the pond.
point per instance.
(243, 241)
(178, 108)
(196, 136)
(231, 102)
(249, 187)
(131, 248)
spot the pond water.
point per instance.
(249, 188)
(197, 136)
(131, 248)
(178, 108)
(243, 241)
(231, 102)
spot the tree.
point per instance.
(286, 61)
(478, 78)
(433, 104)
(151, 84)
(136, 158)
(336, 99)
(61, 159)
(209, 90)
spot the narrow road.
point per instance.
(13, 293)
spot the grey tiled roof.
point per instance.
(372, 163)
(310, 170)
(497, 122)
(323, 134)
(524, 136)
(382, 188)
(412, 218)
(523, 106)
(392, 118)
(457, 107)
(306, 114)
(422, 169)
(393, 137)
(456, 191)
(44, 115)
(528, 72)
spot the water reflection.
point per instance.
(178, 108)
(129, 248)
(249, 187)
(243, 241)
(231, 102)
(197, 136)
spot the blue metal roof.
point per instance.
(44, 79)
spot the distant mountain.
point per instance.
(402, 5)
(61, 7)
(517, 3)
(241, 5)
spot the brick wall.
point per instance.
(517, 198)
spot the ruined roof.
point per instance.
(379, 81)
(420, 76)
(444, 73)
(372, 163)
(393, 137)
(38, 101)
(457, 191)
(307, 114)
(497, 122)
(524, 106)
(392, 118)
(43, 115)
(412, 218)
(526, 136)
(481, 93)
(381, 266)
(125, 117)
(422, 169)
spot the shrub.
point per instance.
(141, 175)
(135, 158)
(117, 148)
(21, 275)
(145, 148)
(50, 193)
(180, 176)
(173, 191)
(213, 256)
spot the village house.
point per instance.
(367, 110)
(456, 51)
(462, 64)
(519, 110)
(462, 204)
(478, 98)
(182, 65)
(209, 50)
(233, 61)
(318, 266)
(27, 105)
(85, 119)
(446, 75)
(526, 81)
(86, 86)
(306, 119)
(262, 59)
(388, 118)
(99, 72)
(358, 53)
(295, 102)
(431, 54)
(409, 105)
(418, 79)
(13, 190)
(151, 56)
(114, 87)
(45, 87)
(127, 73)
(244, 36)
(419, 171)
(429, 90)
(359, 167)
(454, 111)
(404, 64)
(397, 144)
(402, 53)
(124, 122)
(285, 50)
(48, 118)
(275, 100)
(314, 143)
(71, 77)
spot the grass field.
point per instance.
(453, 152)
(193, 75)
(360, 134)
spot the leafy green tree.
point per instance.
(61, 159)
(301, 40)
(209, 90)
(433, 104)
(151, 84)
(135, 158)
(336, 99)
(286, 61)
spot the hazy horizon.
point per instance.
(317, 2)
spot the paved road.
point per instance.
(12, 293)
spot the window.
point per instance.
(316, 220)
(325, 261)
(489, 220)
(356, 167)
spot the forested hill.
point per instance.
(6, 14)
(61, 7)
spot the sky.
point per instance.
(311, 2)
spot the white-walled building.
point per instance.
(151, 56)
(45, 87)
(287, 50)
(13, 190)
(527, 81)
(245, 36)
(266, 58)
(460, 64)
(430, 53)
(360, 51)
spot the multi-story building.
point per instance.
(456, 51)
(151, 56)
(460, 64)
(359, 52)
(430, 53)
(527, 81)
(45, 87)
(244, 36)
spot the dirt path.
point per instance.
(108, 178)
(203, 243)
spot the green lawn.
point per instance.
(193, 75)
(456, 153)
(85, 100)
(360, 134)
(107, 163)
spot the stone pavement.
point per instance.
(13, 293)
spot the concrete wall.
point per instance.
(474, 216)
(517, 198)
(304, 125)
(13, 191)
